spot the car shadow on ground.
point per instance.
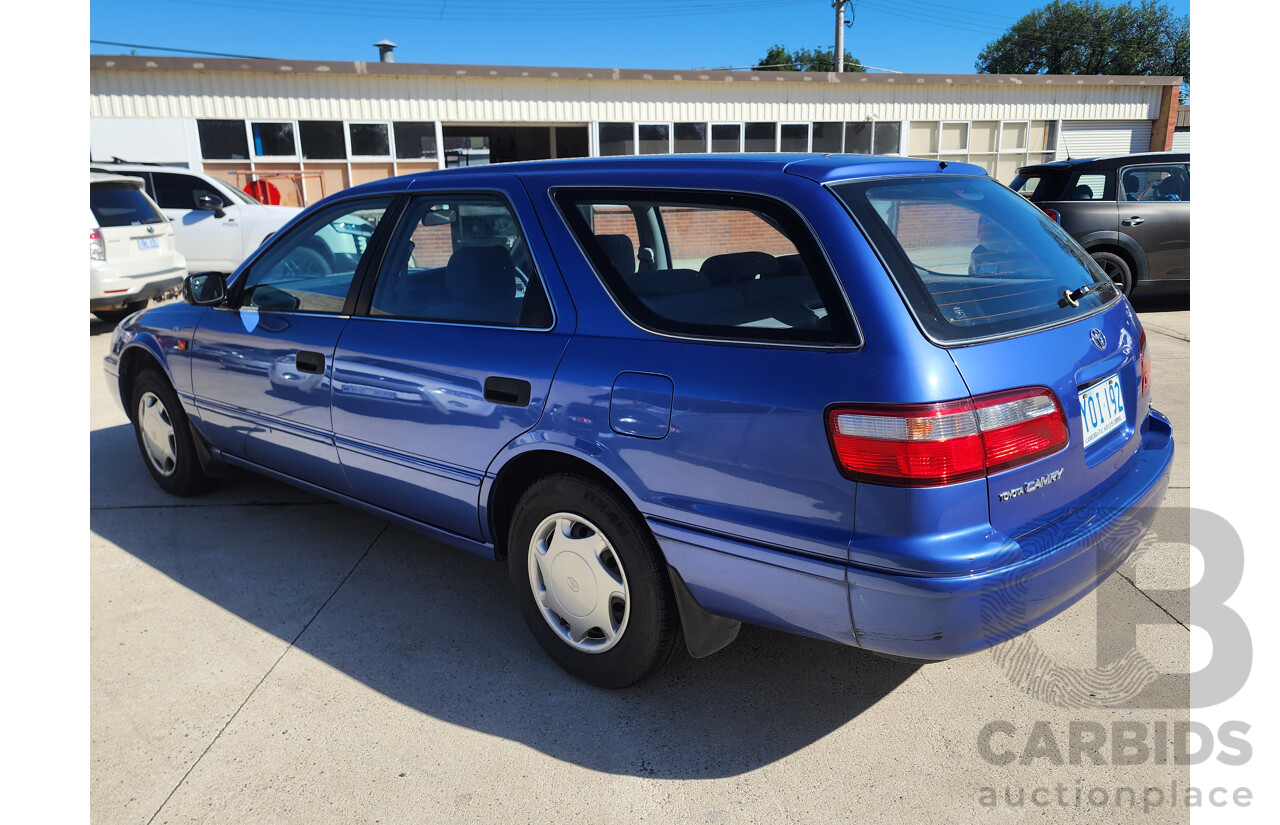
(437, 630)
(1161, 303)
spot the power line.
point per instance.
(183, 51)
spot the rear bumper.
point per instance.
(132, 290)
(932, 617)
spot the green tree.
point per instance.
(779, 59)
(1093, 38)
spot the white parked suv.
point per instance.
(216, 224)
(132, 255)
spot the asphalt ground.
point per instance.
(259, 654)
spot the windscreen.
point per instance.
(973, 258)
(121, 205)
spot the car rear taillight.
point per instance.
(97, 248)
(1055, 214)
(1144, 364)
(925, 445)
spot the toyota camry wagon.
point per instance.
(882, 402)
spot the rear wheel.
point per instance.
(591, 583)
(165, 438)
(1117, 269)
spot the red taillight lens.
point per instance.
(924, 445)
(1020, 426)
(1144, 364)
(1055, 214)
(909, 445)
(97, 248)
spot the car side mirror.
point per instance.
(204, 289)
(211, 203)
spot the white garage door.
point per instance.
(1182, 141)
(1099, 138)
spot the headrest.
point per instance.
(481, 275)
(621, 252)
(739, 267)
(668, 282)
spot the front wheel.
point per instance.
(591, 583)
(1115, 268)
(165, 438)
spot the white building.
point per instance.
(312, 128)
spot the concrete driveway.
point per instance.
(262, 655)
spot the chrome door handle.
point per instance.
(1134, 221)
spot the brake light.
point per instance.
(1144, 363)
(925, 445)
(97, 247)
(1055, 214)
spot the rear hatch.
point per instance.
(1018, 305)
(137, 240)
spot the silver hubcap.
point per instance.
(578, 583)
(157, 434)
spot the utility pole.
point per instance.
(839, 4)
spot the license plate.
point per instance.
(148, 243)
(1101, 409)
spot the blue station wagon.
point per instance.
(879, 401)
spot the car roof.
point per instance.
(98, 177)
(109, 166)
(819, 168)
(1107, 161)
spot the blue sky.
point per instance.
(903, 35)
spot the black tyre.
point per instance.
(591, 582)
(115, 316)
(1116, 268)
(164, 436)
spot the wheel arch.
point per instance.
(142, 354)
(522, 468)
(1122, 245)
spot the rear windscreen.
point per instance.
(121, 205)
(973, 258)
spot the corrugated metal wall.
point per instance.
(156, 93)
(1086, 139)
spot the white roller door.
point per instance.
(1099, 138)
(1182, 141)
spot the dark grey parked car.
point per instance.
(1132, 213)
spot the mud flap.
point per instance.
(704, 633)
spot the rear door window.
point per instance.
(717, 265)
(120, 204)
(973, 259)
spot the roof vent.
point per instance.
(386, 51)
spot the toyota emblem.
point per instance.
(1099, 340)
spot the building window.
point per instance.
(999, 147)
(1013, 136)
(274, 140)
(888, 138)
(953, 138)
(416, 140)
(726, 137)
(795, 137)
(828, 137)
(369, 140)
(322, 140)
(223, 140)
(691, 138)
(762, 137)
(869, 137)
(655, 138)
(617, 139)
